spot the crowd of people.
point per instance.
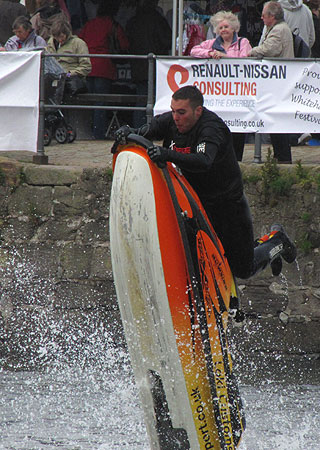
(140, 27)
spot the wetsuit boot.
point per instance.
(271, 247)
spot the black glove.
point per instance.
(122, 133)
(158, 154)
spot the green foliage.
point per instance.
(306, 217)
(277, 183)
(251, 178)
(317, 181)
(305, 244)
(282, 185)
(109, 173)
(23, 177)
(270, 173)
(302, 173)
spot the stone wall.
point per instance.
(57, 294)
(55, 273)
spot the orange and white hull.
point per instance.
(174, 286)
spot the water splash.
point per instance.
(38, 331)
(70, 383)
(299, 272)
(79, 392)
(281, 417)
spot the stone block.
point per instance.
(4, 197)
(34, 338)
(85, 295)
(18, 230)
(93, 231)
(101, 267)
(69, 201)
(96, 180)
(31, 201)
(51, 175)
(10, 171)
(75, 261)
(56, 230)
(36, 261)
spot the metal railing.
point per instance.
(40, 157)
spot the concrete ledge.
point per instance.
(51, 175)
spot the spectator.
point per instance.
(227, 44)
(299, 17)
(47, 12)
(277, 42)
(77, 12)
(96, 33)
(31, 6)
(63, 41)
(214, 6)
(25, 37)
(9, 11)
(314, 6)
(148, 32)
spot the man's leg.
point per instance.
(238, 140)
(281, 147)
(233, 224)
(271, 247)
(99, 85)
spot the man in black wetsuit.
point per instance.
(199, 142)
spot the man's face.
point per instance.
(267, 19)
(21, 33)
(184, 116)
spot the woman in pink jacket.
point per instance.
(227, 44)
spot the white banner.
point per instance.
(268, 96)
(19, 100)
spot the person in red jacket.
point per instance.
(96, 33)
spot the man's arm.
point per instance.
(312, 34)
(201, 161)
(84, 66)
(271, 46)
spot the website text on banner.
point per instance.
(265, 96)
(19, 100)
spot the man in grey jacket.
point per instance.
(277, 42)
(299, 17)
(24, 36)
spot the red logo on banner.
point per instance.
(171, 77)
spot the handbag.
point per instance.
(75, 85)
